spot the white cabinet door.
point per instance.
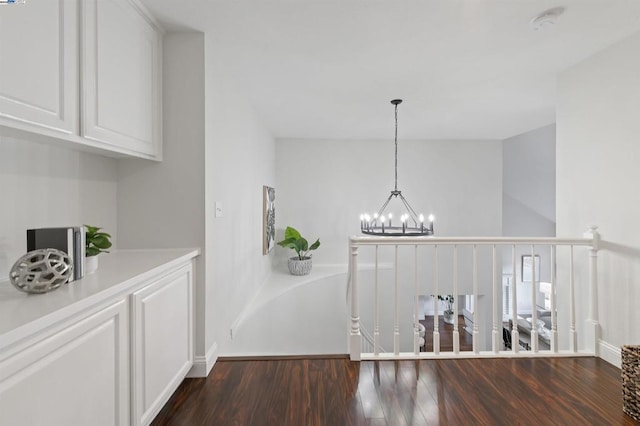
(76, 376)
(39, 66)
(121, 78)
(162, 351)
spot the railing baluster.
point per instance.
(456, 333)
(376, 326)
(495, 339)
(515, 336)
(593, 322)
(476, 333)
(356, 338)
(552, 300)
(396, 321)
(573, 335)
(534, 304)
(436, 319)
(416, 329)
(362, 344)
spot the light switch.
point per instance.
(218, 206)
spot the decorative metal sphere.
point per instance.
(41, 271)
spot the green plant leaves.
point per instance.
(96, 242)
(296, 242)
(288, 243)
(292, 233)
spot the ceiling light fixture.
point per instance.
(410, 223)
(546, 19)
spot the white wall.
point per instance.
(42, 185)
(307, 319)
(324, 185)
(215, 150)
(240, 159)
(529, 201)
(161, 205)
(529, 181)
(598, 175)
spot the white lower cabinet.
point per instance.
(162, 341)
(76, 376)
(113, 361)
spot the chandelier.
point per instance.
(410, 224)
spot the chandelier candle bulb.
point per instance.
(421, 223)
(382, 222)
(390, 220)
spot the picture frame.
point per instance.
(268, 219)
(526, 270)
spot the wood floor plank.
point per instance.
(301, 392)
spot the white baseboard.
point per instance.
(610, 353)
(202, 365)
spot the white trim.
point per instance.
(382, 241)
(202, 365)
(610, 353)
(473, 355)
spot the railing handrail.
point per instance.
(364, 241)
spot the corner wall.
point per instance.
(161, 205)
(597, 179)
(529, 202)
(43, 185)
(240, 159)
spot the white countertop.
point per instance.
(22, 313)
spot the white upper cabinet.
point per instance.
(121, 77)
(39, 66)
(87, 72)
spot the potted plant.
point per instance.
(96, 242)
(448, 304)
(300, 264)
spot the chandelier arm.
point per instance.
(384, 206)
(412, 213)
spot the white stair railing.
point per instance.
(421, 267)
(368, 343)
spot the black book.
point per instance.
(70, 240)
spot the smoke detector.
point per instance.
(546, 19)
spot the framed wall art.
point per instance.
(268, 219)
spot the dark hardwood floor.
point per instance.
(446, 335)
(334, 392)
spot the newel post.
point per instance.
(593, 322)
(355, 339)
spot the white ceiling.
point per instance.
(468, 69)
